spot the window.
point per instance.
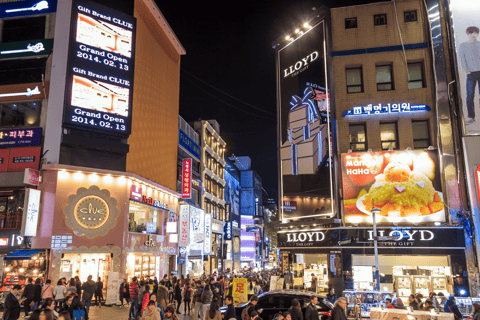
(415, 75)
(23, 29)
(351, 23)
(421, 134)
(388, 135)
(380, 19)
(410, 16)
(11, 209)
(22, 71)
(358, 140)
(22, 114)
(145, 218)
(354, 80)
(384, 78)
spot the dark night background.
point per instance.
(229, 50)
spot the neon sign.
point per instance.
(26, 8)
(389, 108)
(28, 93)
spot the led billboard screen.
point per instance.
(304, 122)
(101, 69)
(466, 29)
(404, 186)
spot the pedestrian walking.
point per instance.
(187, 296)
(59, 293)
(47, 290)
(331, 296)
(37, 297)
(338, 312)
(11, 307)
(78, 285)
(41, 314)
(197, 299)
(311, 312)
(178, 296)
(451, 306)
(213, 311)
(162, 295)
(296, 310)
(152, 312)
(133, 288)
(99, 292)
(72, 286)
(124, 292)
(77, 310)
(88, 288)
(170, 313)
(145, 298)
(207, 297)
(28, 294)
(49, 304)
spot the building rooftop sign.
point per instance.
(389, 108)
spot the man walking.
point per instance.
(469, 56)
(197, 298)
(12, 304)
(311, 312)
(88, 289)
(28, 294)
(132, 313)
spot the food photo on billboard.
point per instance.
(466, 28)
(404, 185)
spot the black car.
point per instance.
(281, 300)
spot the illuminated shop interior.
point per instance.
(18, 268)
(85, 264)
(305, 266)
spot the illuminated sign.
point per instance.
(300, 65)
(187, 179)
(389, 108)
(3, 242)
(101, 62)
(136, 193)
(289, 205)
(31, 177)
(25, 48)
(197, 227)
(28, 93)
(30, 216)
(28, 7)
(11, 138)
(207, 249)
(91, 212)
(20, 159)
(228, 230)
(184, 228)
(154, 202)
(188, 144)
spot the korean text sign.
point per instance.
(187, 179)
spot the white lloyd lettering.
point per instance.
(300, 64)
(305, 236)
(425, 235)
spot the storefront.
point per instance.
(194, 238)
(412, 260)
(85, 212)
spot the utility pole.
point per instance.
(375, 245)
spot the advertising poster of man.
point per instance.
(466, 26)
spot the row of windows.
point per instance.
(389, 135)
(217, 212)
(215, 145)
(385, 78)
(213, 165)
(212, 187)
(381, 19)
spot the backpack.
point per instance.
(187, 295)
(78, 314)
(245, 315)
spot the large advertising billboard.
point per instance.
(404, 187)
(304, 122)
(466, 28)
(99, 92)
(232, 196)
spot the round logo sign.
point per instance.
(91, 212)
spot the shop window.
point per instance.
(358, 141)
(11, 209)
(23, 29)
(410, 16)
(22, 71)
(18, 271)
(421, 134)
(389, 135)
(354, 80)
(380, 19)
(384, 78)
(351, 23)
(415, 75)
(22, 114)
(85, 264)
(145, 219)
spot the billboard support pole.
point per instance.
(375, 245)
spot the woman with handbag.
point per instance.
(124, 292)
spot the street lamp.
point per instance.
(375, 244)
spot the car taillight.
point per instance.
(326, 313)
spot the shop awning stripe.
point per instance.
(22, 254)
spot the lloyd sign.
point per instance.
(397, 237)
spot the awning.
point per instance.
(22, 254)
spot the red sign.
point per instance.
(136, 193)
(3, 242)
(31, 177)
(4, 159)
(187, 179)
(23, 158)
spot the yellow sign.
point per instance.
(239, 291)
(91, 212)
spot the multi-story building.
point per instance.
(212, 172)
(232, 206)
(357, 108)
(106, 148)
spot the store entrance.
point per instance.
(405, 275)
(310, 272)
(83, 265)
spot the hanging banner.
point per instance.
(239, 291)
(184, 228)
(187, 179)
(208, 234)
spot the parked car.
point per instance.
(280, 300)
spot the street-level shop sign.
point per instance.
(207, 250)
(188, 144)
(228, 230)
(388, 237)
(31, 212)
(389, 108)
(26, 48)
(13, 138)
(184, 228)
(31, 177)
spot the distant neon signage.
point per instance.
(187, 179)
(25, 8)
(389, 108)
(26, 48)
(207, 250)
(28, 93)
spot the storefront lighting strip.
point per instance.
(316, 215)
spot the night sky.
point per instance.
(228, 73)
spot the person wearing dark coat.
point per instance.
(451, 306)
(11, 309)
(99, 292)
(295, 310)
(37, 295)
(412, 302)
(177, 291)
(28, 294)
(338, 312)
(311, 312)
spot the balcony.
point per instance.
(11, 220)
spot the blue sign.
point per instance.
(188, 144)
(389, 108)
(27, 8)
(228, 230)
(181, 260)
(25, 137)
(253, 229)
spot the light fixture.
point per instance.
(297, 30)
(287, 38)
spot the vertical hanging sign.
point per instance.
(184, 228)
(208, 234)
(187, 179)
